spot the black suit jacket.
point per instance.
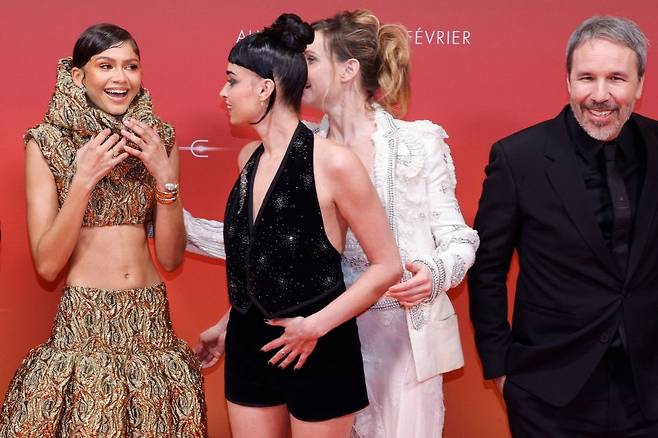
(570, 295)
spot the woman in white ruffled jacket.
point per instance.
(357, 68)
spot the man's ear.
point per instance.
(78, 76)
(267, 87)
(351, 69)
(638, 93)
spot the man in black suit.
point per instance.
(576, 196)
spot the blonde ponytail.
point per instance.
(395, 66)
(382, 51)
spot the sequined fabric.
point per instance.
(284, 261)
(111, 368)
(125, 195)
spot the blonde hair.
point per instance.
(382, 51)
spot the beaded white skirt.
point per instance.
(400, 406)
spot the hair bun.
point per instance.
(293, 33)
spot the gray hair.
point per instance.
(614, 29)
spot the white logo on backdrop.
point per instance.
(418, 37)
(244, 33)
(198, 148)
(445, 37)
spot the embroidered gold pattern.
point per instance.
(125, 196)
(111, 368)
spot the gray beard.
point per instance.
(602, 133)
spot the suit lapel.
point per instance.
(648, 199)
(565, 176)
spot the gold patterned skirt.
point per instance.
(111, 368)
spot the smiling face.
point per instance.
(321, 74)
(603, 87)
(245, 94)
(111, 78)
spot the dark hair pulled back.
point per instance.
(97, 39)
(277, 53)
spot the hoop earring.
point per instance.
(269, 107)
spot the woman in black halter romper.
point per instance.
(293, 356)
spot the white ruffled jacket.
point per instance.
(415, 179)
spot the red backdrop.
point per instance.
(481, 68)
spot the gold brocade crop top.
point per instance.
(126, 194)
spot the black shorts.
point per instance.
(329, 385)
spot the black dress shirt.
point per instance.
(631, 162)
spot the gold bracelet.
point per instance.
(169, 196)
(162, 195)
(165, 201)
(170, 189)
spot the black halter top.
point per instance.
(281, 260)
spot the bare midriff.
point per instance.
(112, 258)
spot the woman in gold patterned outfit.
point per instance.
(95, 168)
